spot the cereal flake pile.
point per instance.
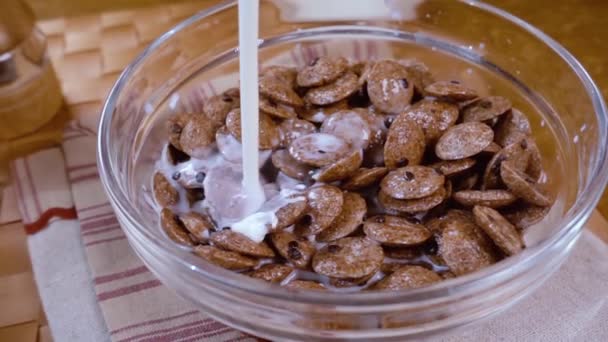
(402, 181)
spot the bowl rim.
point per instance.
(587, 197)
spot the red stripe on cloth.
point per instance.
(93, 218)
(43, 220)
(312, 53)
(92, 224)
(80, 167)
(239, 338)
(93, 207)
(302, 53)
(244, 337)
(97, 242)
(68, 133)
(120, 275)
(202, 332)
(202, 95)
(212, 87)
(75, 136)
(152, 322)
(78, 126)
(357, 51)
(190, 100)
(372, 50)
(123, 291)
(205, 325)
(152, 334)
(30, 180)
(101, 231)
(305, 54)
(197, 337)
(19, 193)
(84, 177)
(294, 57)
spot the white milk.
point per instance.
(248, 69)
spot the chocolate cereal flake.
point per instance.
(412, 182)
(273, 273)
(305, 285)
(340, 89)
(405, 143)
(389, 87)
(511, 128)
(198, 225)
(226, 259)
(292, 129)
(488, 198)
(464, 140)
(408, 277)
(486, 108)
(350, 218)
(217, 108)
(450, 90)
(464, 246)
(523, 186)
(164, 193)
(283, 161)
(396, 231)
(341, 169)
(376, 176)
(279, 89)
(269, 131)
(434, 116)
(454, 167)
(318, 149)
(412, 206)
(501, 231)
(324, 70)
(325, 204)
(197, 136)
(237, 242)
(174, 229)
(291, 212)
(365, 177)
(355, 257)
(524, 216)
(298, 252)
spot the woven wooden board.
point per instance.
(89, 52)
(69, 8)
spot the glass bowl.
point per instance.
(482, 46)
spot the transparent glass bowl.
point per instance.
(476, 43)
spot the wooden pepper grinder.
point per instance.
(30, 94)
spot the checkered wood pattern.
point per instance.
(89, 52)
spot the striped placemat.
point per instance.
(92, 285)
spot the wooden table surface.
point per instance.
(578, 25)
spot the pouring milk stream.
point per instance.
(236, 196)
(248, 69)
(261, 213)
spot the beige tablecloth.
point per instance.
(94, 288)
